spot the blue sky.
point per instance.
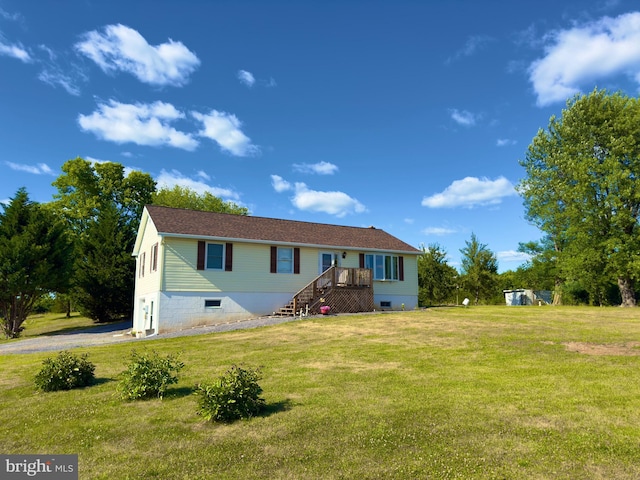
(409, 116)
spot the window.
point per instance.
(154, 258)
(385, 267)
(215, 256)
(214, 303)
(142, 261)
(385, 304)
(285, 260)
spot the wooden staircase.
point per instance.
(344, 290)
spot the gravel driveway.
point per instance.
(117, 333)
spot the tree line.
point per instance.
(78, 246)
(581, 190)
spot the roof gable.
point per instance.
(179, 222)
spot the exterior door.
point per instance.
(327, 260)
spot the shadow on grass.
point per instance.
(276, 407)
(101, 381)
(179, 392)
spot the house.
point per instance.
(202, 268)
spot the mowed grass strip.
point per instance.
(487, 392)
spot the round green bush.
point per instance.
(148, 375)
(64, 372)
(233, 396)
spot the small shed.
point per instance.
(525, 296)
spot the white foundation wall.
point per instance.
(382, 301)
(180, 310)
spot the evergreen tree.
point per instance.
(85, 190)
(479, 269)
(105, 268)
(35, 259)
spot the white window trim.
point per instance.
(278, 270)
(384, 256)
(206, 256)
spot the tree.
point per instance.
(98, 199)
(35, 259)
(105, 275)
(436, 279)
(184, 197)
(541, 271)
(582, 190)
(479, 268)
(85, 187)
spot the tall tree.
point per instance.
(436, 279)
(541, 271)
(184, 197)
(105, 275)
(582, 189)
(35, 259)
(85, 189)
(479, 268)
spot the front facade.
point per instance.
(203, 268)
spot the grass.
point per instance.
(477, 393)
(53, 324)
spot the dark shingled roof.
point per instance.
(176, 221)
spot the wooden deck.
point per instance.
(344, 290)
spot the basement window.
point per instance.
(385, 304)
(215, 303)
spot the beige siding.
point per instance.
(410, 284)
(150, 281)
(251, 263)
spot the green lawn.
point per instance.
(486, 392)
(53, 324)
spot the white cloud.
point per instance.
(15, 51)
(14, 17)
(203, 175)
(121, 48)
(470, 192)
(279, 184)
(410, 221)
(57, 78)
(505, 142)
(224, 129)
(39, 169)
(513, 256)
(471, 46)
(586, 53)
(438, 231)
(246, 78)
(143, 124)
(320, 168)
(174, 177)
(333, 203)
(463, 117)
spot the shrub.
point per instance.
(148, 375)
(64, 372)
(234, 395)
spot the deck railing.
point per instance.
(334, 277)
